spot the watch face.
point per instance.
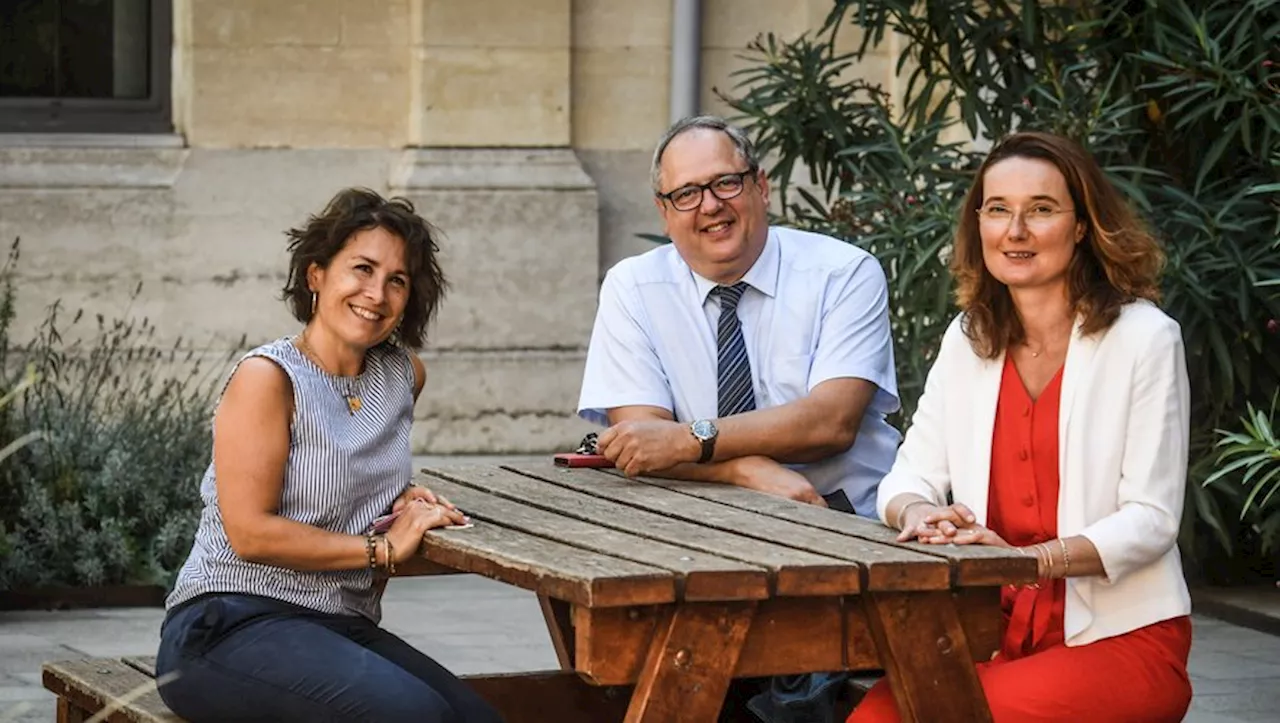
(704, 429)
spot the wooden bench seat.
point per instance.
(87, 686)
(127, 685)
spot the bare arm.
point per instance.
(419, 375)
(823, 424)
(750, 471)
(926, 522)
(820, 425)
(251, 451)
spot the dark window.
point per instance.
(85, 66)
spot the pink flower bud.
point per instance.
(1273, 326)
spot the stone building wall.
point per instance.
(521, 128)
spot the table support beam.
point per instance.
(926, 657)
(691, 660)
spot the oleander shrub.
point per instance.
(1178, 100)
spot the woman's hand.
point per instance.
(972, 535)
(419, 516)
(930, 521)
(419, 492)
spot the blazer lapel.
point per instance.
(1077, 371)
(985, 392)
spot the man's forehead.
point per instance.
(698, 152)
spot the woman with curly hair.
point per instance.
(1055, 421)
(274, 616)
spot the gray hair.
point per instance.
(746, 151)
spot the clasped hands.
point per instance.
(939, 525)
(419, 510)
(639, 447)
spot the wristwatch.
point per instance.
(705, 431)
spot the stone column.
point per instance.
(490, 164)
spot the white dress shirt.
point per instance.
(816, 309)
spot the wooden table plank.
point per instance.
(537, 563)
(794, 572)
(972, 565)
(701, 576)
(888, 567)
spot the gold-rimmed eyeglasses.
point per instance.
(687, 198)
(998, 215)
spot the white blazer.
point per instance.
(1122, 440)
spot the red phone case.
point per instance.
(573, 459)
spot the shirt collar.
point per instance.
(762, 276)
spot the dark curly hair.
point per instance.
(359, 209)
(1116, 262)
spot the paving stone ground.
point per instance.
(474, 625)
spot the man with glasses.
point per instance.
(742, 353)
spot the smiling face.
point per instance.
(720, 239)
(1028, 226)
(362, 293)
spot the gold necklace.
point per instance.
(349, 395)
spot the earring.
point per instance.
(313, 303)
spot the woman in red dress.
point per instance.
(1056, 419)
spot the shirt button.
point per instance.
(1026, 411)
(1029, 501)
(1022, 454)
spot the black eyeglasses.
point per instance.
(687, 198)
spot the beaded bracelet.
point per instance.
(1066, 557)
(370, 547)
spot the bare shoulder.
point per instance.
(258, 386)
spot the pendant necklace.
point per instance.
(348, 392)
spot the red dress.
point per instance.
(1138, 676)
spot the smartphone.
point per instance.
(573, 459)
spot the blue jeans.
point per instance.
(250, 658)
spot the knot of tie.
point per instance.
(731, 295)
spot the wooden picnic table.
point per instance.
(658, 593)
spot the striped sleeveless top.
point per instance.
(344, 469)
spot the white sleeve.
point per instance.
(622, 368)
(921, 466)
(1153, 471)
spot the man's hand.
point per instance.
(641, 446)
(765, 475)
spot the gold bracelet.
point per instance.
(1048, 560)
(902, 511)
(1066, 557)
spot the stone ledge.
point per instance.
(1251, 606)
(517, 169)
(92, 140)
(78, 167)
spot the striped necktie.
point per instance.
(735, 394)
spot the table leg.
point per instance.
(560, 626)
(691, 660)
(926, 657)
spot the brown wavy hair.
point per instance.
(1117, 260)
(359, 209)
